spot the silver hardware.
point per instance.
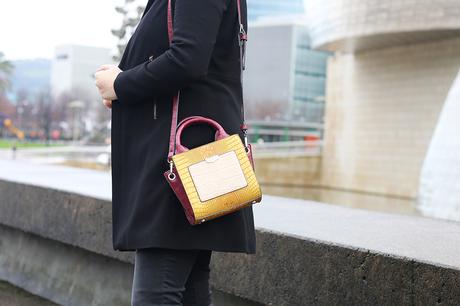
(246, 147)
(171, 174)
(155, 110)
(151, 57)
(242, 31)
(202, 220)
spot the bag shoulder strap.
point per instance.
(242, 38)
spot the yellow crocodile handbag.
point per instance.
(213, 179)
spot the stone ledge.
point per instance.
(307, 253)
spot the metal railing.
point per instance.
(288, 148)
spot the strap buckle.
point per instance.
(243, 35)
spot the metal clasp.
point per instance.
(171, 174)
(246, 147)
(243, 36)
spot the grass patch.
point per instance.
(8, 143)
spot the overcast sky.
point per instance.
(31, 29)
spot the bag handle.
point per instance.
(242, 37)
(220, 132)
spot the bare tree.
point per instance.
(6, 69)
(129, 22)
(43, 113)
(6, 107)
(262, 110)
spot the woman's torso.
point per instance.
(145, 210)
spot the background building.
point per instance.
(31, 75)
(73, 67)
(262, 8)
(284, 79)
(394, 64)
(72, 85)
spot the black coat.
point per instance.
(203, 62)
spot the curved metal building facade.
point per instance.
(386, 85)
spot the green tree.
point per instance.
(6, 69)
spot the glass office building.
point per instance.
(262, 8)
(284, 78)
(309, 73)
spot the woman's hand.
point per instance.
(107, 103)
(105, 77)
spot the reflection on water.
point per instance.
(346, 198)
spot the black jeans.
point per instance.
(171, 277)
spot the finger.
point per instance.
(97, 75)
(107, 103)
(104, 67)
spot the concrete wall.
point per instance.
(288, 271)
(65, 274)
(382, 108)
(57, 244)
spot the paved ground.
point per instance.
(13, 296)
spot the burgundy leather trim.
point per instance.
(250, 157)
(220, 132)
(175, 105)
(179, 190)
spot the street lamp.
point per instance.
(76, 107)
